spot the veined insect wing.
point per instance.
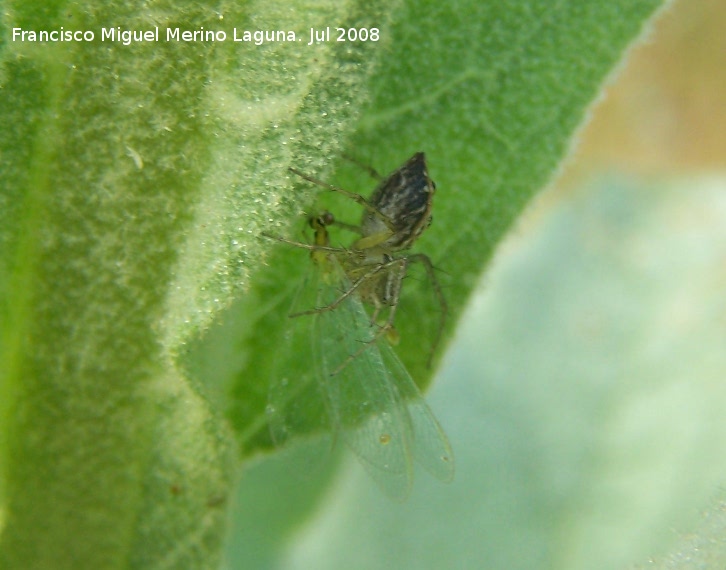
(363, 405)
(295, 406)
(431, 447)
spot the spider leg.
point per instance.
(424, 260)
(383, 329)
(352, 195)
(372, 172)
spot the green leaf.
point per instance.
(135, 181)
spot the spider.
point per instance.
(375, 264)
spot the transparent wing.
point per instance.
(295, 406)
(431, 447)
(371, 402)
(364, 404)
